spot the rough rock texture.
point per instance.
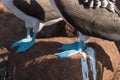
(40, 63)
(3, 63)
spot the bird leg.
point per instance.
(74, 48)
(30, 22)
(24, 44)
(27, 43)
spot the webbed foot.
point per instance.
(24, 44)
(73, 46)
(71, 49)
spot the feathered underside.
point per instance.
(98, 22)
(40, 9)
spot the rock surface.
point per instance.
(40, 63)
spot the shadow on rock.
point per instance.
(102, 58)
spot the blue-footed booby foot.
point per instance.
(73, 48)
(36, 14)
(25, 43)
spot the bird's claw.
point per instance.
(24, 44)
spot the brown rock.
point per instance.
(58, 29)
(3, 63)
(40, 63)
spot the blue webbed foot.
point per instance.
(70, 46)
(24, 44)
(66, 54)
(71, 49)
